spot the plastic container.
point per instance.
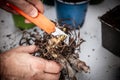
(93, 2)
(71, 13)
(19, 22)
(49, 2)
(111, 30)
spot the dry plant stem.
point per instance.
(65, 65)
(78, 64)
(54, 48)
(53, 42)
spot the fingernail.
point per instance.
(34, 12)
(27, 21)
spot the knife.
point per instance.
(40, 21)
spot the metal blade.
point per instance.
(60, 32)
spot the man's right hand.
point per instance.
(18, 64)
(30, 7)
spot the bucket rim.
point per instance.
(109, 24)
(77, 3)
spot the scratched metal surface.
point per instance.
(103, 64)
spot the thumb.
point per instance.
(25, 6)
(26, 49)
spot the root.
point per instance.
(54, 48)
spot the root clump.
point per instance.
(54, 48)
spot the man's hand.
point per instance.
(31, 7)
(19, 64)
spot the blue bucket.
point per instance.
(72, 14)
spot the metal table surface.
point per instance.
(103, 64)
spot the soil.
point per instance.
(2, 21)
(74, 1)
(8, 35)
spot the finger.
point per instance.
(27, 21)
(49, 76)
(27, 49)
(9, 9)
(4, 6)
(38, 4)
(25, 6)
(45, 76)
(52, 67)
(47, 66)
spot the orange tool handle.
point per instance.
(41, 21)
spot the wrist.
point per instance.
(2, 65)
